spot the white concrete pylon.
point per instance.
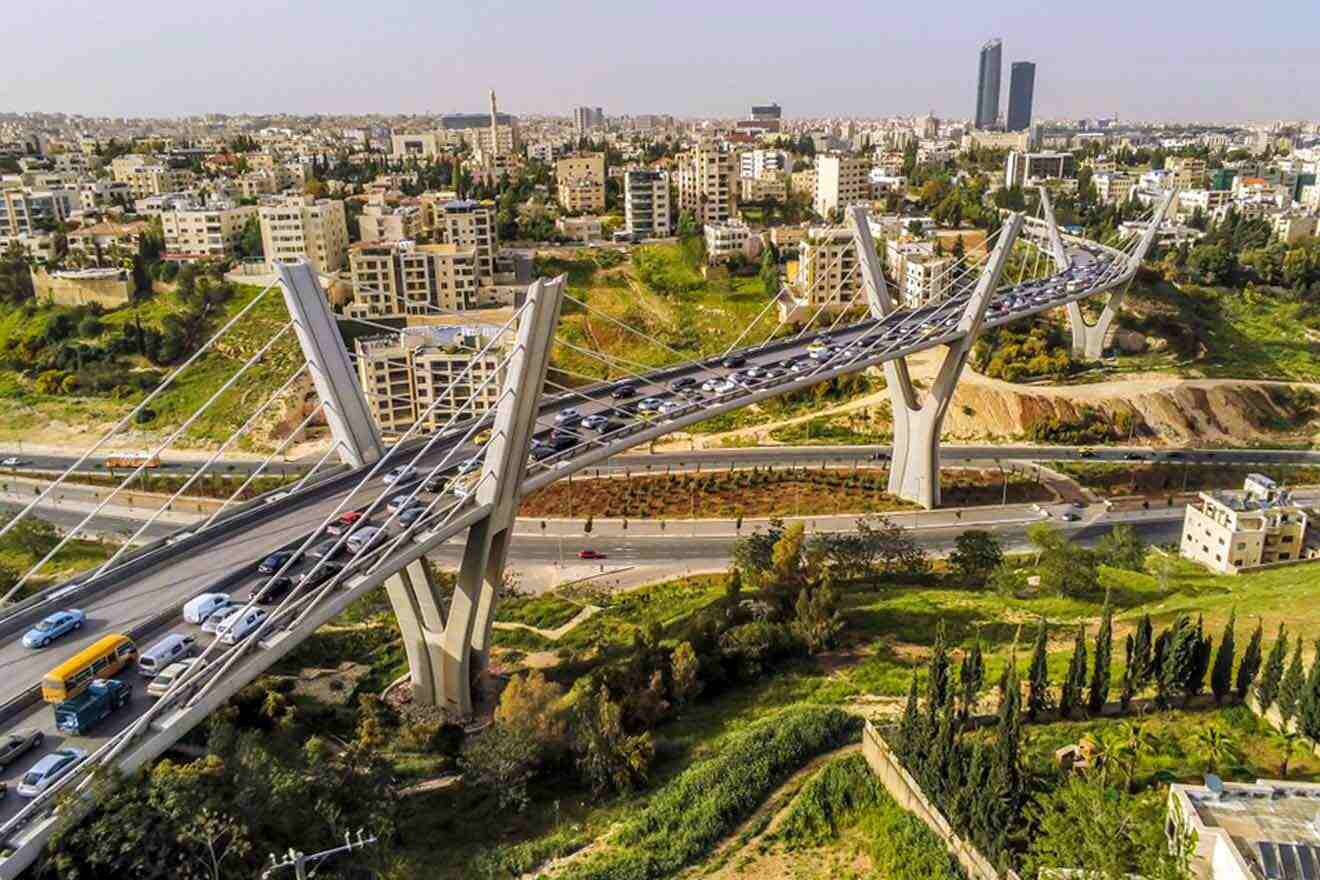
(1057, 250)
(346, 411)
(1088, 340)
(441, 651)
(914, 467)
(879, 301)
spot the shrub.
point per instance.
(832, 798)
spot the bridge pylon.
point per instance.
(914, 467)
(1088, 340)
(350, 420)
(443, 650)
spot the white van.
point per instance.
(239, 624)
(201, 607)
(173, 647)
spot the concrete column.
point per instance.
(878, 299)
(467, 629)
(914, 468)
(1088, 340)
(346, 411)
(1057, 250)
(417, 603)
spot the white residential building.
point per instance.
(725, 240)
(306, 227)
(1247, 831)
(706, 183)
(759, 163)
(646, 208)
(1229, 533)
(1022, 169)
(841, 181)
(204, 232)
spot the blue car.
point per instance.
(54, 626)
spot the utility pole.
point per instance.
(301, 861)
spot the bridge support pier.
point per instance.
(444, 654)
(346, 411)
(914, 467)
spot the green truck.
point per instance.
(103, 696)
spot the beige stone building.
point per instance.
(210, 232)
(110, 287)
(771, 187)
(827, 276)
(148, 178)
(707, 183)
(406, 377)
(841, 181)
(1229, 533)
(470, 223)
(393, 279)
(1247, 830)
(646, 203)
(379, 222)
(580, 183)
(305, 227)
(106, 244)
(1188, 172)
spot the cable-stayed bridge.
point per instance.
(462, 481)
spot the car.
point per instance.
(568, 417)
(725, 387)
(1135, 456)
(816, 349)
(45, 772)
(682, 382)
(161, 683)
(344, 522)
(670, 406)
(1087, 453)
(273, 591)
(82, 712)
(410, 514)
(539, 450)
(596, 422)
(365, 538)
(802, 366)
(624, 391)
(400, 475)
(198, 608)
(53, 626)
(470, 465)
(649, 404)
(709, 384)
(772, 373)
(754, 371)
(318, 576)
(590, 554)
(274, 562)
(435, 484)
(239, 624)
(174, 646)
(14, 745)
(1174, 454)
(12, 461)
(1070, 517)
(733, 362)
(399, 502)
(325, 549)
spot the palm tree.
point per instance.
(1219, 750)
(1135, 741)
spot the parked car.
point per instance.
(198, 608)
(650, 404)
(470, 465)
(344, 522)
(161, 683)
(274, 562)
(239, 624)
(52, 627)
(103, 696)
(12, 461)
(410, 514)
(49, 769)
(398, 502)
(595, 423)
(16, 744)
(400, 475)
(174, 646)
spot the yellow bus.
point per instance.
(133, 460)
(100, 660)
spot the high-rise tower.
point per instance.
(1021, 89)
(495, 127)
(987, 84)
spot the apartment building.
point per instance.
(706, 187)
(726, 240)
(414, 145)
(479, 132)
(379, 221)
(305, 227)
(827, 256)
(106, 245)
(470, 224)
(770, 188)
(24, 211)
(1113, 187)
(1289, 226)
(395, 279)
(580, 183)
(406, 377)
(1209, 202)
(1188, 172)
(760, 163)
(1022, 169)
(1228, 533)
(148, 178)
(841, 181)
(926, 278)
(803, 182)
(204, 232)
(646, 204)
(98, 194)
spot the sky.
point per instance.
(1171, 60)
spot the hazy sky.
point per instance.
(1156, 59)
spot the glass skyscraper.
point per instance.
(1021, 88)
(987, 85)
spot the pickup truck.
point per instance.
(103, 696)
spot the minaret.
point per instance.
(494, 128)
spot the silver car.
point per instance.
(15, 744)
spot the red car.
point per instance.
(590, 554)
(344, 523)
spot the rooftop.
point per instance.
(1271, 828)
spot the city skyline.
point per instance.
(169, 61)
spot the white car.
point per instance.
(237, 625)
(50, 768)
(161, 683)
(401, 474)
(201, 607)
(724, 387)
(11, 461)
(363, 538)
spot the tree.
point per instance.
(1099, 692)
(1142, 645)
(535, 704)
(685, 673)
(1217, 749)
(501, 759)
(1250, 664)
(971, 676)
(910, 735)
(1070, 699)
(1177, 659)
(1221, 677)
(1122, 548)
(817, 619)
(1201, 654)
(607, 756)
(937, 677)
(1129, 688)
(976, 553)
(1290, 688)
(1039, 700)
(1267, 687)
(769, 273)
(1308, 706)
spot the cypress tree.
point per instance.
(1250, 664)
(1221, 677)
(937, 680)
(1007, 787)
(1104, 646)
(1129, 674)
(1290, 689)
(1039, 700)
(1143, 643)
(1267, 687)
(909, 726)
(1070, 700)
(1201, 652)
(1176, 649)
(971, 675)
(1308, 707)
